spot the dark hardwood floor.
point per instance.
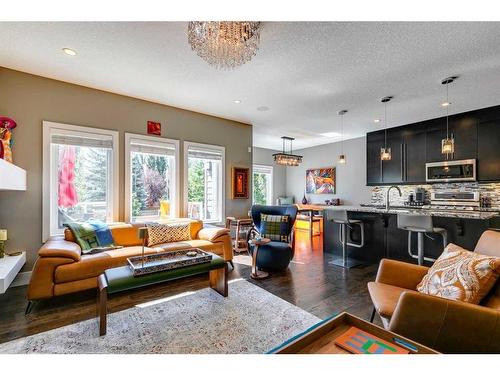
(310, 283)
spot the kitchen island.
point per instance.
(383, 239)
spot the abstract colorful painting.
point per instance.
(320, 181)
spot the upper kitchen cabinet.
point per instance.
(476, 135)
(488, 150)
(414, 158)
(374, 141)
(407, 164)
(462, 128)
(393, 170)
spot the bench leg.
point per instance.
(218, 280)
(102, 300)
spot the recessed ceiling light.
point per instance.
(376, 121)
(330, 134)
(69, 51)
(263, 108)
(445, 104)
(237, 101)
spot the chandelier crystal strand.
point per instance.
(224, 45)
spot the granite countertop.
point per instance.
(481, 215)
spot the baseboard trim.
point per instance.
(22, 278)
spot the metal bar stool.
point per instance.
(341, 217)
(420, 224)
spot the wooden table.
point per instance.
(256, 274)
(319, 339)
(310, 209)
(120, 279)
(240, 224)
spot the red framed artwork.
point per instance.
(240, 183)
(154, 128)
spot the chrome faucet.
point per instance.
(387, 197)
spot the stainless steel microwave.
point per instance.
(451, 171)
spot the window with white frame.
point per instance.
(151, 183)
(262, 184)
(204, 181)
(80, 176)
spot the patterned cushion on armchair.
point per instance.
(275, 227)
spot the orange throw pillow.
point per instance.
(461, 275)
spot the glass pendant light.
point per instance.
(342, 159)
(447, 144)
(385, 152)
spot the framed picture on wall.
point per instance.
(239, 182)
(320, 181)
(154, 128)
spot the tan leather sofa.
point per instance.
(445, 325)
(61, 268)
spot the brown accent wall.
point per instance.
(31, 99)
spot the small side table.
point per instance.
(241, 227)
(256, 274)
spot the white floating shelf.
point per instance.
(12, 177)
(9, 268)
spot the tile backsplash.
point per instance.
(491, 191)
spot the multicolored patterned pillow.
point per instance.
(93, 236)
(275, 227)
(461, 275)
(84, 236)
(165, 233)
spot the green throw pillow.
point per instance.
(275, 227)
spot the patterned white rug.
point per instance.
(250, 320)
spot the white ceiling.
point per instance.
(304, 72)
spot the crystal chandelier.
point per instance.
(447, 144)
(341, 113)
(385, 152)
(287, 158)
(224, 45)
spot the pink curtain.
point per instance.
(67, 191)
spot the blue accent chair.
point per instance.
(275, 255)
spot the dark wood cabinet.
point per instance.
(392, 170)
(462, 128)
(414, 156)
(374, 141)
(476, 135)
(436, 131)
(488, 150)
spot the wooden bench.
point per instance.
(120, 279)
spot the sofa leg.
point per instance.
(232, 264)
(373, 315)
(29, 307)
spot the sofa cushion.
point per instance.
(385, 297)
(461, 275)
(166, 233)
(93, 265)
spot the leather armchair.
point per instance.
(445, 325)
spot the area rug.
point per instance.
(249, 320)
